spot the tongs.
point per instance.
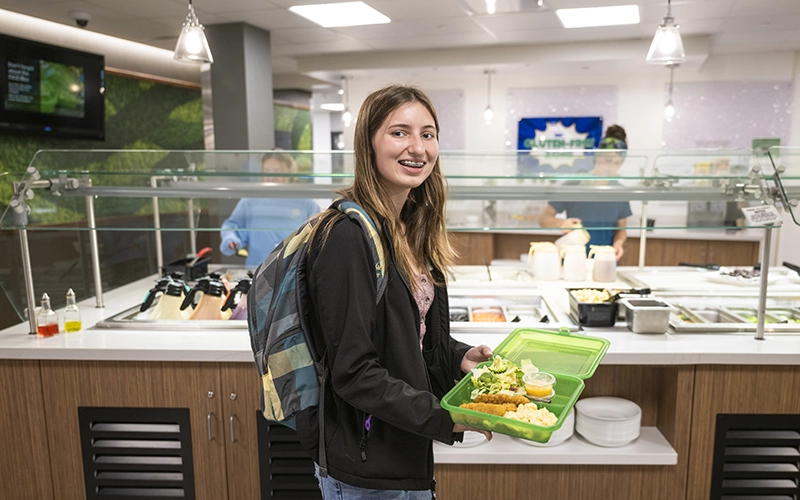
(710, 267)
(632, 291)
(793, 267)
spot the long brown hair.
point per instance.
(424, 211)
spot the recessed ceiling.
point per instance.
(421, 26)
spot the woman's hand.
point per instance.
(232, 245)
(619, 249)
(570, 224)
(464, 428)
(474, 356)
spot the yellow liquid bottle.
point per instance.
(72, 314)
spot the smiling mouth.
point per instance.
(412, 164)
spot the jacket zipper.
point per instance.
(364, 435)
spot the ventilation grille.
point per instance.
(287, 472)
(756, 457)
(135, 453)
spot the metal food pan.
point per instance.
(127, 320)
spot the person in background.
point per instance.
(590, 214)
(275, 217)
(390, 363)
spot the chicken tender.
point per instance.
(494, 409)
(499, 399)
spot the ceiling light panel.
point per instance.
(335, 15)
(615, 15)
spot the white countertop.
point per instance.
(234, 345)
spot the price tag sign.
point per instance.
(765, 215)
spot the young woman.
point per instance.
(389, 363)
(597, 214)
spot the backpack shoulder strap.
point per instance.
(355, 212)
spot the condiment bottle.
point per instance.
(210, 305)
(161, 285)
(605, 263)
(241, 289)
(72, 314)
(47, 319)
(169, 304)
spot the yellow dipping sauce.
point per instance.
(538, 391)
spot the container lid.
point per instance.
(555, 352)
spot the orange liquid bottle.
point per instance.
(47, 319)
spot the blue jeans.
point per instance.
(333, 489)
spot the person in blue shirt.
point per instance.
(597, 214)
(281, 216)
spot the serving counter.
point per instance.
(66, 438)
(680, 381)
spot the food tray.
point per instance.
(593, 313)
(569, 358)
(527, 305)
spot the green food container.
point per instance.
(571, 359)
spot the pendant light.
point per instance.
(488, 114)
(667, 47)
(347, 116)
(669, 109)
(192, 44)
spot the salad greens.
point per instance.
(501, 377)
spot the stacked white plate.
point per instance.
(608, 421)
(558, 436)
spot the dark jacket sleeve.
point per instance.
(343, 283)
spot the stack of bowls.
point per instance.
(608, 421)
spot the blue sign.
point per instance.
(553, 133)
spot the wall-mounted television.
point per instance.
(49, 90)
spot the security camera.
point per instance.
(81, 18)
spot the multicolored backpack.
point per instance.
(292, 370)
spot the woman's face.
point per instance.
(406, 149)
(607, 164)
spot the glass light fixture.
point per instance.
(488, 114)
(192, 44)
(667, 46)
(347, 116)
(669, 109)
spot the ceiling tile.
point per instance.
(430, 42)
(413, 29)
(417, 9)
(270, 18)
(760, 7)
(761, 24)
(520, 21)
(306, 35)
(139, 9)
(321, 48)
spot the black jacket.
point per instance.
(376, 368)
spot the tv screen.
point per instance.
(51, 90)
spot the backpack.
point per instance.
(293, 372)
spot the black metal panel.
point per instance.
(756, 457)
(287, 472)
(135, 453)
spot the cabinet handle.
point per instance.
(208, 424)
(233, 435)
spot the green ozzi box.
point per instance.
(571, 359)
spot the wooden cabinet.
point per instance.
(25, 460)
(222, 400)
(473, 248)
(240, 403)
(68, 385)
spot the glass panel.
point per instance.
(786, 162)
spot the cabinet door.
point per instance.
(24, 462)
(70, 384)
(241, 402)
